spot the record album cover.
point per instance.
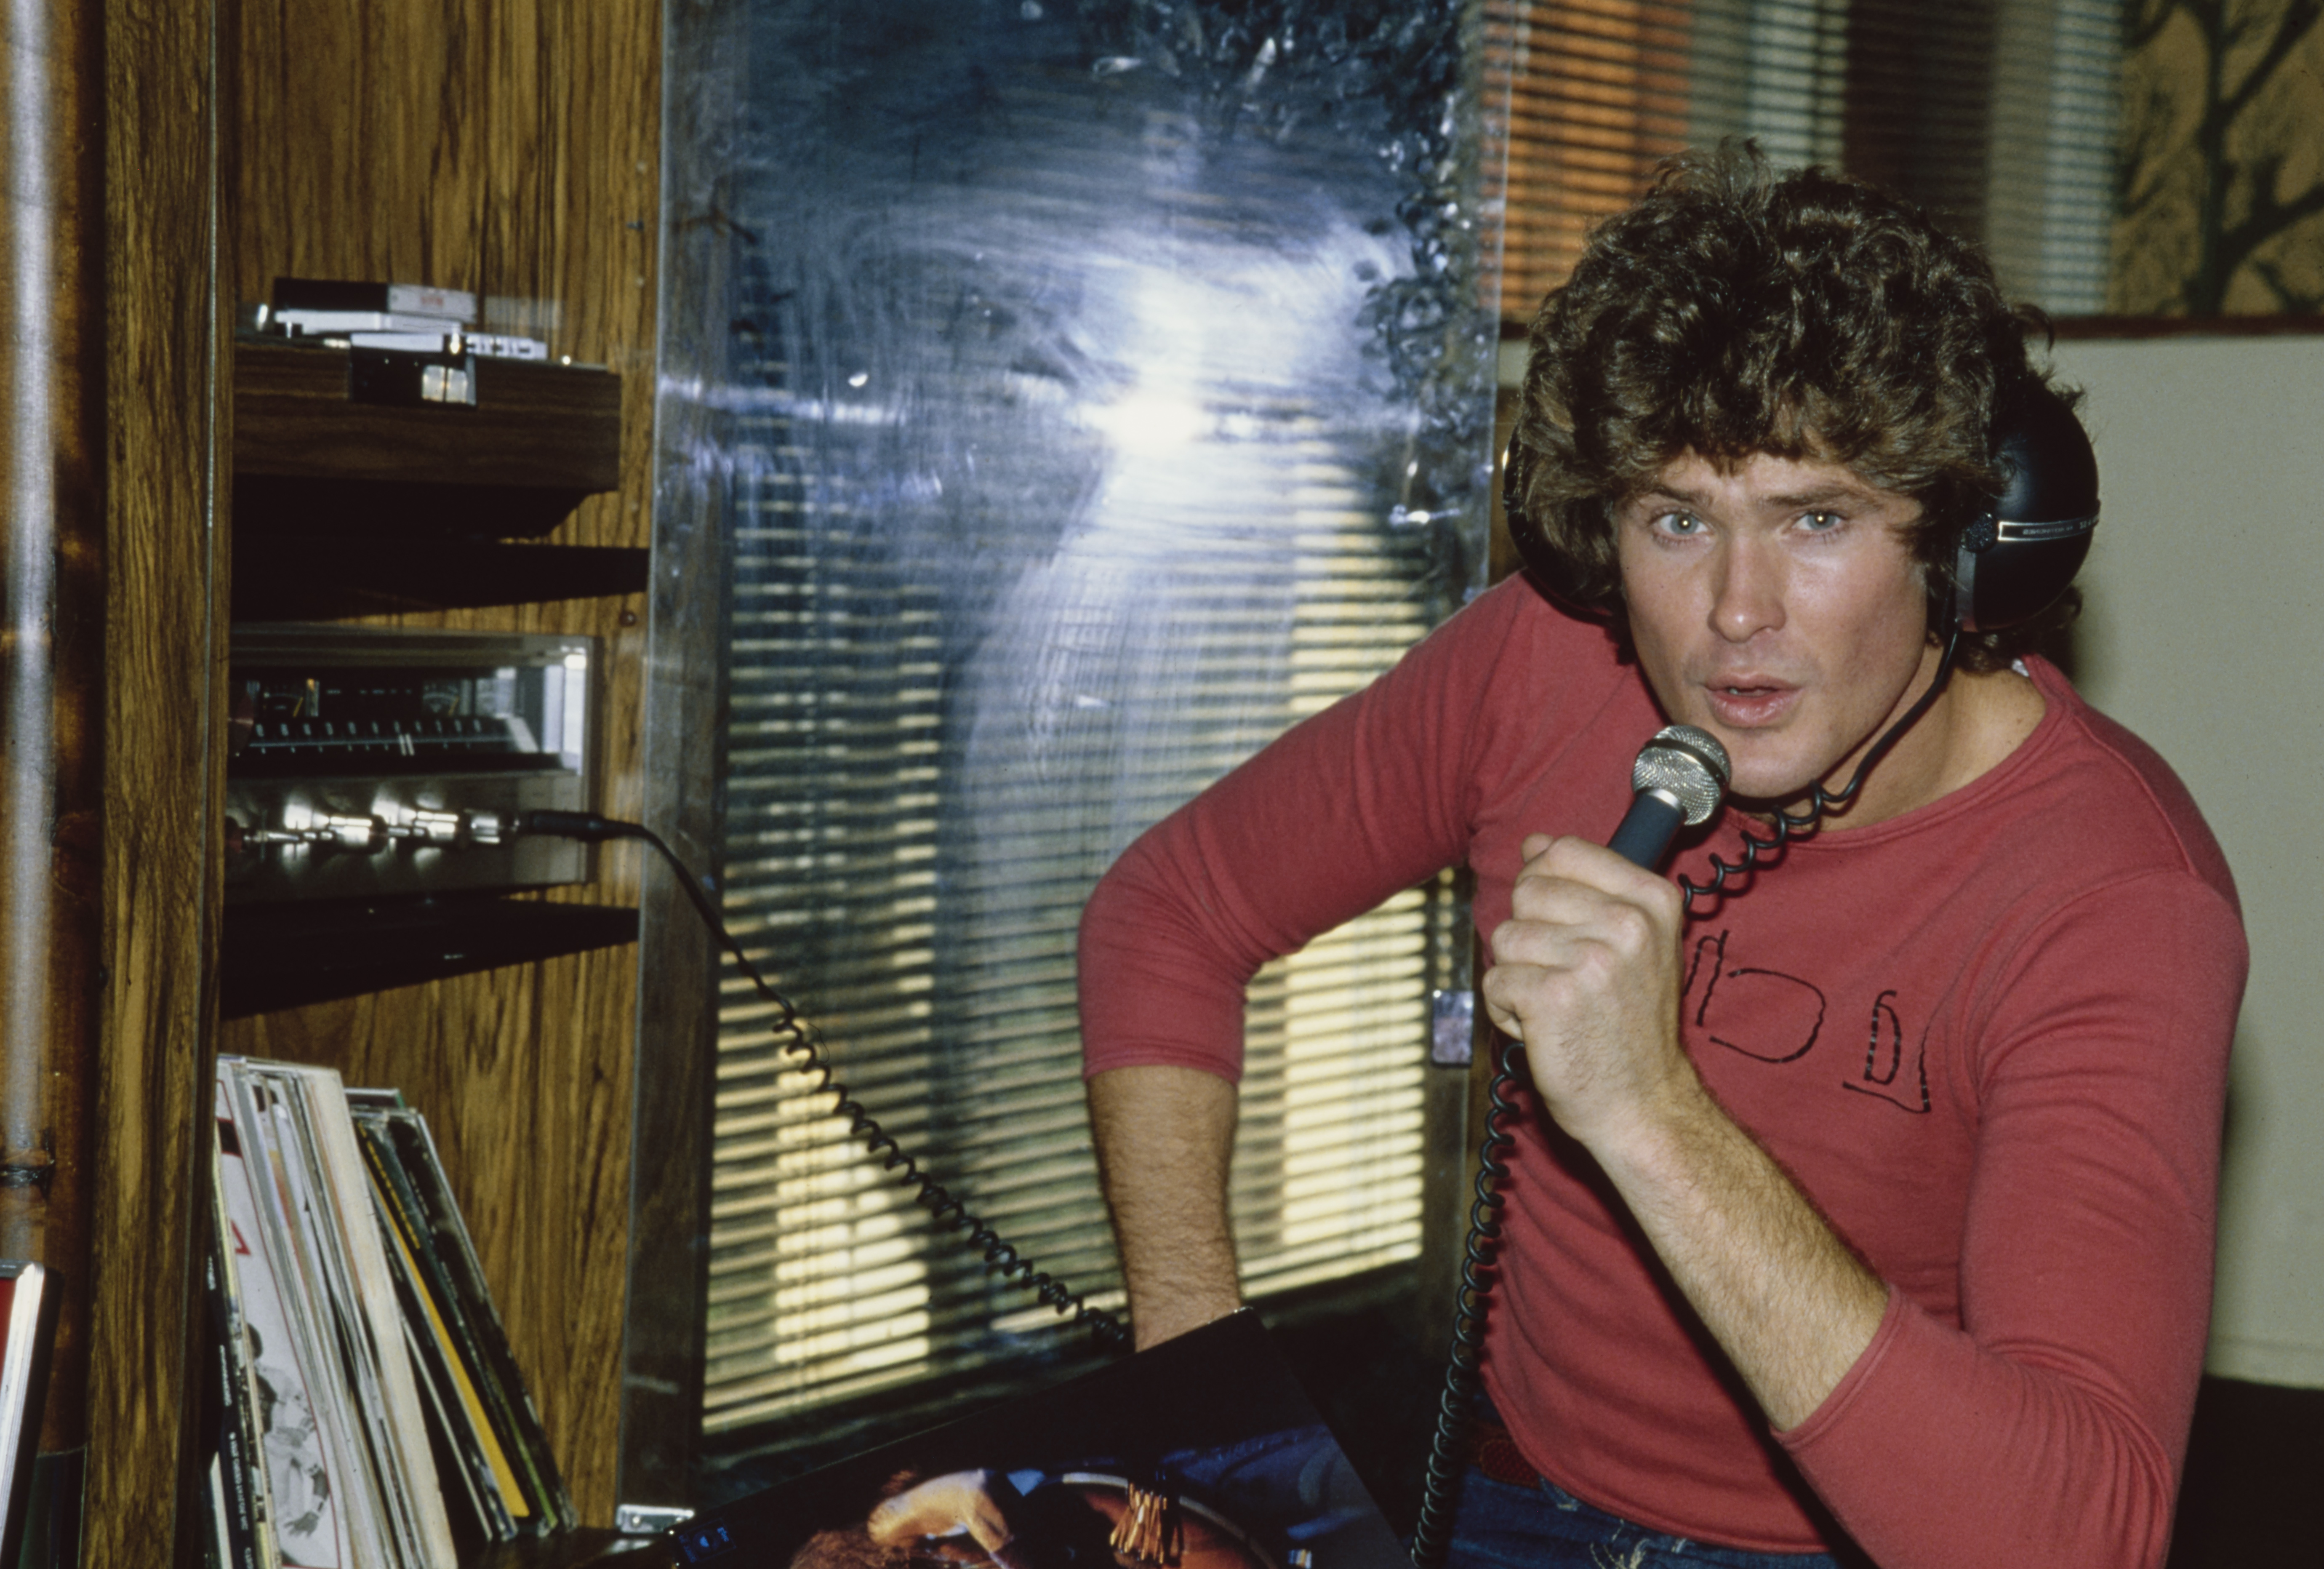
(1200, 1453)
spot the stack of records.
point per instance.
(364, 1410)
(493, 1455)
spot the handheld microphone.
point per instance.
(1679, 777)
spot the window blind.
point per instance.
(1074, 465)
(1598, 92)
(1998, 116)
(2050, 199)
(856, 814)
(826, 1284)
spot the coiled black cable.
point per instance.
(1819, 801)
(798, 1038)
(1446, 1460)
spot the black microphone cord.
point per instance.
(798, 1038)
(1447, 1457)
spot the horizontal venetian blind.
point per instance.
(923, 909)
(1999, 117)
(1598, 92)
(2051, 194)
(1014, 574)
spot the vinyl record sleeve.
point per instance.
(394, 1423)
(503, 1385)
(232, 1422)
(470, 1453)
(300, 1439)
(1200, 1453)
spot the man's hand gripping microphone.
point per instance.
(1568, 903)
(1679, 777)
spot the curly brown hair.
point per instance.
(1733, 312)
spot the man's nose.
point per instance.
(1748, 592)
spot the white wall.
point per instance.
(2204, 632)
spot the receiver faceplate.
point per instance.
(366, 762)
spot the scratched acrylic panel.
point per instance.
(1091, 392)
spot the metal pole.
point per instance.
(52, 693)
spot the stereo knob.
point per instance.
(353, 835)
(434, 828)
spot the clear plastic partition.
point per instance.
(1056, 402)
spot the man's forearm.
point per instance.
(1792, 1307)
(1586, 973)
(1165, 1136)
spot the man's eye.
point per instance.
(1681, 525)
(1820, 522)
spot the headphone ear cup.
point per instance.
(2013, 563)
(1549, 567)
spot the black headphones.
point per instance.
(2011, 563)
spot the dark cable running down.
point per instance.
(796, 1036)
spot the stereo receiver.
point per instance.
(372, 762)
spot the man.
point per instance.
(1868, 1203)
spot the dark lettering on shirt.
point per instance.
(1785, 1014)
(1884, 1060)
(1775, 1018)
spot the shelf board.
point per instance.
(285, 955)
(538, 438)
(326, 579)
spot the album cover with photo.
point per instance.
(1200, 1453)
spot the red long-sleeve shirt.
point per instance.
(1987, 1039)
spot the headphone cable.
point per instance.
(794, 1035)
(1820, 801)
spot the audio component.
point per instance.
(370, 761)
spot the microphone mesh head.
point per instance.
(1686, 764)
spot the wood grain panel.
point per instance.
(509, 147)
(163, 676)
(530, 425)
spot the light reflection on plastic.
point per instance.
(1081, 354)
(1150, 424)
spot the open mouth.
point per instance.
(1749, 703)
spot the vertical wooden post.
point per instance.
(166, 417)
(51, 653)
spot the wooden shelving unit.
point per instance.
(287, 955)
(345, 507)
(553, 430)
(512, 151)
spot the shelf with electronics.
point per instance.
(351, 500)
(369, 483)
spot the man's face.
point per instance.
(1777, 606)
